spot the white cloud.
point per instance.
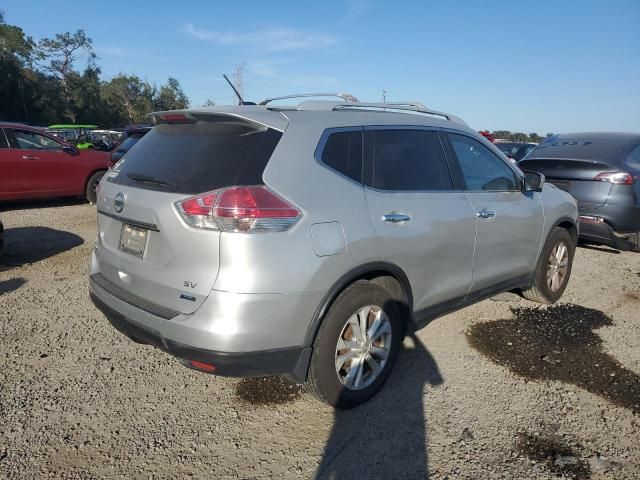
(263, 69)
(270, 40)
(113, 51)
(355, 9)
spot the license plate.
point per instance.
(133, 240)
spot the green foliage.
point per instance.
(41, 85)
(518, 136)
(170, 97)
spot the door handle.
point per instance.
(484, 213)
(29, 157)
(396, 217)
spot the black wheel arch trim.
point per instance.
(347, 279)
(567, 219)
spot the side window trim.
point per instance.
(327, 132)
(454, 166)
(11, 139)
(6, 138)
(447, 131)
(368, 167)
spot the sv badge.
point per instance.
(189, 284)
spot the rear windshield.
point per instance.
(196, 158)
(583, 148)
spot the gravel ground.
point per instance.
(502, 389)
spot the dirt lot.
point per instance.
(503, 389)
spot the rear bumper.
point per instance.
(613, 224)
(597, 230)
(239, 336)
(285, 361)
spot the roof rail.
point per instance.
(347, 97)
(416, 107)
(398, 107)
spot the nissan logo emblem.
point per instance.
(118, 202)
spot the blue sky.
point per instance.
(538, 66)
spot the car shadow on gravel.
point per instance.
(26, 245)
(559, 343)
(8, 286)
(6, 206)
(385, 437)
(600, 248)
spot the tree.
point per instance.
(129, 95)
(208, 103)
(60, 53)
(535, 138)
(13, 42)
(170, 97)
(40, 84)
(519, 137)
(15, 56)
(502, 134)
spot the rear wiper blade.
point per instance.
(139, 177)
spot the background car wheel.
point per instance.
(356, 347)
(91, 191)
(553, 269)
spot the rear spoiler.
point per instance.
(258, 118)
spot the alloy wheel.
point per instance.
(557, 266)
(363, 347)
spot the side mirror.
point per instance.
(70, 150)
(533, 181)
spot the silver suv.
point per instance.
(308, 240)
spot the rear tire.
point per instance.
(347, 383)
(554, 268)
(91, 192)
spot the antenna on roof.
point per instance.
(240, 99)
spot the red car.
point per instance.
(34, 164)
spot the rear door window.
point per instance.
(198, 157)
(343, 153)
(28, 140)
(481, 168)
(406, 159)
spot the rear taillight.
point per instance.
(617, 178)
(239, 209)
(196, 211)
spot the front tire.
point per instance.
(356, 346)
(554, 268)
(91, 190)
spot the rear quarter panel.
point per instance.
(287, 262)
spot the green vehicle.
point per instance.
(79, 135)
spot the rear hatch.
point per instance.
(574, 176)
(144, 245)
